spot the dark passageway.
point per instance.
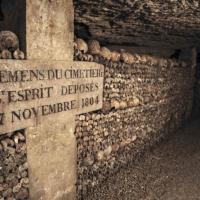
(169, 172)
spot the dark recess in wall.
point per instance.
(13, 18)
(1, 13)
(82, 31)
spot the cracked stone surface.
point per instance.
(172, 23)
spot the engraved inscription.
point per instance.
(31, 91)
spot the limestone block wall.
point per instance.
(143, 102)
(14, 182)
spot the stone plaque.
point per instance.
(34, 90)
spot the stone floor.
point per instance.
(169, 172)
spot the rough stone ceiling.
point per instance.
(169, 23)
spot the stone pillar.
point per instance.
(49, 29)
(51, 146)
(51, 150)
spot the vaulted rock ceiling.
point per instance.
(168, 23)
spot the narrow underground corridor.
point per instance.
(148, 52)
(168, 172)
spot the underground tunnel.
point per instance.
(109, 98)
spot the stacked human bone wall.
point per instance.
(145, 99)
(14, 181)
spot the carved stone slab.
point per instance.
(32, 91)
